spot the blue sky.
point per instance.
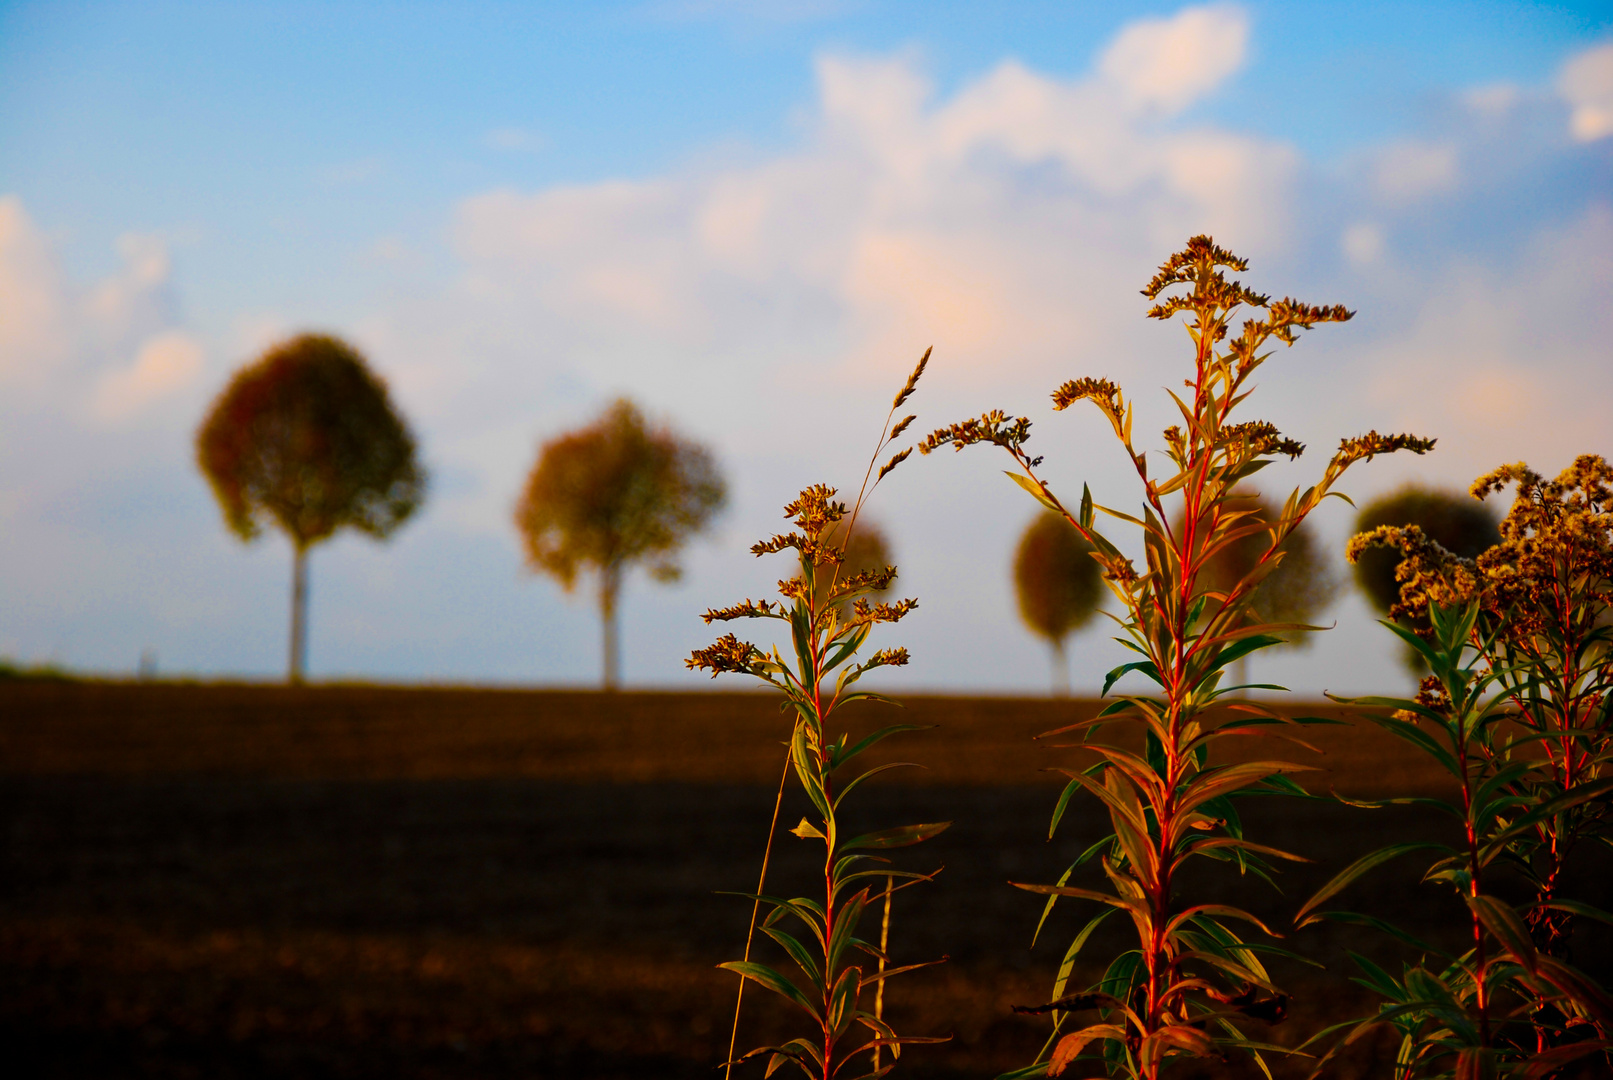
(751, 217)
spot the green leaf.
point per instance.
(798, 952)
(1419, 738)
(1047, 908)
(870, 740)
(1500, 920)
(1350, 873)
(801, 634)
(1067, 965)
(1574, 907)
(1035, 489)
(875, 771)
(1353, 918)
(766, 976)
(1147, 667)
(847, 648)
(1239, 649)
(806, 770)
(845, 928)
(901, 836)
(1539, 1066)
(843, 1000)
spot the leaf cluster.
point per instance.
(1507, 1005)
(616, 492)
(307, 436)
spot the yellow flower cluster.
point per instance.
(1552, 572)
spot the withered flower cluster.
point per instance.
(1552, 569)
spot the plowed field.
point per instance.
(228, 880)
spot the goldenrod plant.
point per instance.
(830, 618)
(1192, 983)
(1516, 711)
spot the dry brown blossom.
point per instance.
(727, 653)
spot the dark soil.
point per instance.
(251, 882)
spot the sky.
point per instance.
(752, 218)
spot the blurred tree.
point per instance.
(1453, 519)
(867, 550)
(1058, 584)
(1301, 587)
(611, 494)
(1299, 590)
(308, 437)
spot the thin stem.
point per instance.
(761, 884)
(884, 944)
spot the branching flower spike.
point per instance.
(1191, 981)
(840, 974)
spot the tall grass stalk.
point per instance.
(1191, 983)
(828, 627)
(755, 909)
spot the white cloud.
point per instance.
(1363, 243)
(166, 364)
(1169, 63)
(1513, 361)
(1408, 171)
(54, 334)
(514, 140)
(1586, 83)
(34, 312)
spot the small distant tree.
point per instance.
(1296, 592)
(307, 437)
(614, 493)
(1452, 519)
(866, 551)
(1058, 584)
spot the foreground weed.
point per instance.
(830, 619)
(1516, 711)
(1191, 982)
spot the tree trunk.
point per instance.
(299, 613)
(610, 584)
(1061, 670)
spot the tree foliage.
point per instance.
(612, 494)
(1057, 582)
(865, 551)
(1460, 524)
(1301, 586)
(308, 437)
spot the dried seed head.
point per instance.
(912, 380)
(892, 463)
(727, 653)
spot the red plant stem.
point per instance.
(1481, 995)
(828, 859)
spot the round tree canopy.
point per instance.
(1301, 587)
(613, 493)
(1058, 583)
(1453, 519)
(308, 436)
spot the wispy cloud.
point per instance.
(1586, 84)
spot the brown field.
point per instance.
(233, 880)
